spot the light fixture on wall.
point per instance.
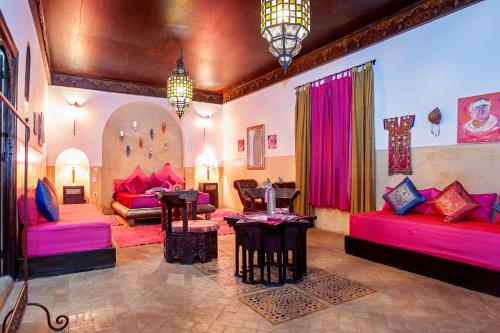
(180, 88)
(122, 135)
(285, 24)
(76, 109)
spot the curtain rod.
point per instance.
(334, 74)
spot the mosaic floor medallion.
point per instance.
(334, 289)
(282, 304)
(221, 265)
(233, 285)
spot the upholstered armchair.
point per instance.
(240, 185)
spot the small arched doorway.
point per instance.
(72, 168)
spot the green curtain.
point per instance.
(302, 149)
(363, 141)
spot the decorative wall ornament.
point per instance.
(165, 145)
(435, 120)
(35, 124)
(241, 145)
(479, 118)
(41, 129)
(127, 150)
(272, 141)
(150, 153)
(152, 134)
(141, 143)
(399, 146)
(122, 135)
(164, 127)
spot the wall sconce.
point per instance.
(122, 135)
(76, 109)
(134, 125)
(73, 172)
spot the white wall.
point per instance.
(17, 14)
(98, 107)
(433, 65)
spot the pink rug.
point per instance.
(152, 234)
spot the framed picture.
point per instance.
(241, 145)
(478, 118)
(272, 141)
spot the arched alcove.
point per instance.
(165, 146)
(72, 168)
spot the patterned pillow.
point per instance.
(453, 203)
(403, 197)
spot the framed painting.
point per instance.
(478, 118)
(272, 141)
(241, 145)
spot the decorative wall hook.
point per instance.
(122, 135)
(150, 152)
(127, 150)
(165, 145)
(141, 142)
(164, 127)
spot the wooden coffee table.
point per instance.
(271, 242)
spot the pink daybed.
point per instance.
(465, 253)
(79, 241)
(80, 228)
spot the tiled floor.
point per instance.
(144, 294)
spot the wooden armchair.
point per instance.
(241, 185)
(187, 239)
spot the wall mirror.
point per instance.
(255, 147)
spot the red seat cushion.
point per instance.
(196, 226)
(33, 213)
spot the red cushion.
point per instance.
(454, 203)
(153, 181)
(135, 185)
(430, 211)
(168, 173)
(119, 184)
(483, 212)
(51, 186)
(33, 213)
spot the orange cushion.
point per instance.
(453, 203)
(196, 226)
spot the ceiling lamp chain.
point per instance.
(285, 24)
(180, 88)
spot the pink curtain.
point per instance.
(330, 177)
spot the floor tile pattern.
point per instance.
(143, 294)
(279, 305)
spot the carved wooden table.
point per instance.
(270, 242)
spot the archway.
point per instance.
(155, 139)
(72, 168)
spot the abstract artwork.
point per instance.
(272, 141)
(241, 145)
(478, 118)
(399, 144)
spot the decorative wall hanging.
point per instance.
(150, 153)
(141, 143)
(152, 134)
(164, 127)
(35, 124)
(478, 118)
(41, 129)
(241, 145)
(272, 141)
(435, 120)
(399, 144)
(127, 150)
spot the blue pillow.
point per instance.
(46, 201)
(404, 197)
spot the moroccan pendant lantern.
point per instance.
(180, 88)
(285, 24)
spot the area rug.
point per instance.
(282, 304)
(334, 289)
(152, 234)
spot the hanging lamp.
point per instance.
(285, 24)
(180, 88)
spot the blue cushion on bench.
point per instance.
(46, 201)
